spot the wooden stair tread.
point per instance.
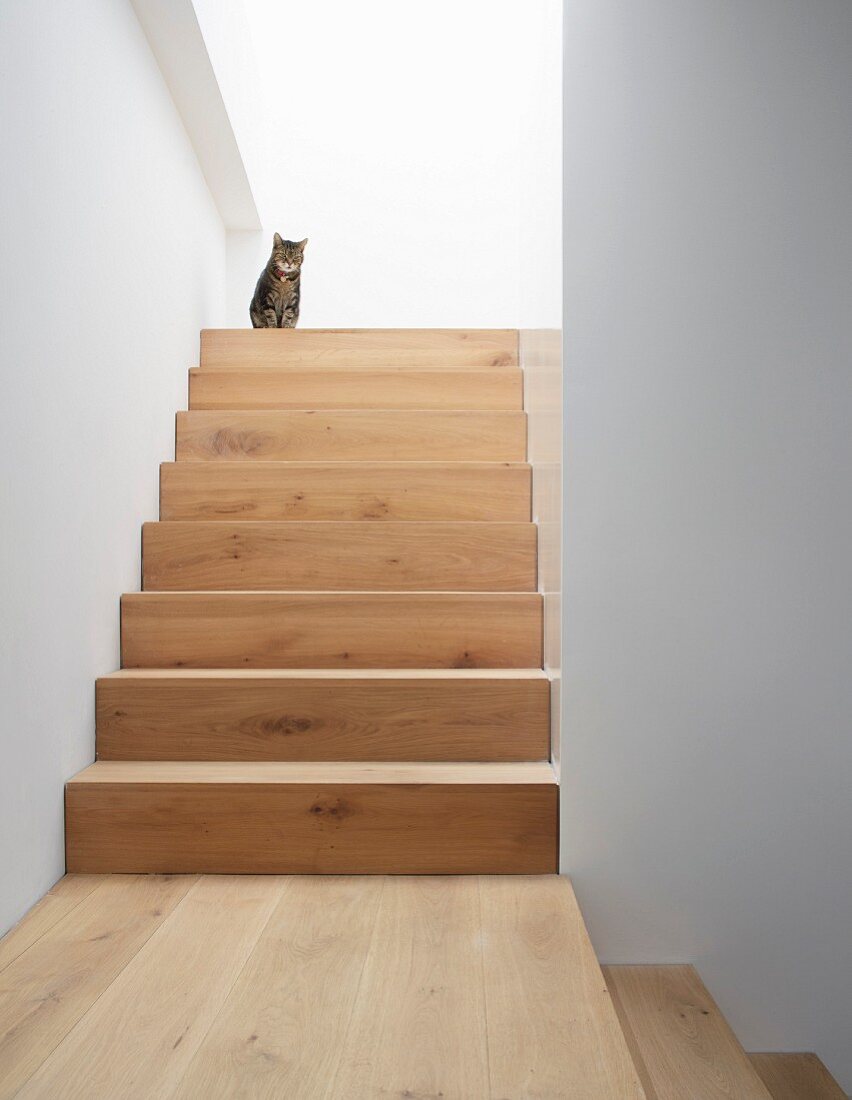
(319, 387)
(251, 435)
(796, 1076)
(681, 1043)
(376, 491)
(338, 555)
(325, 674)
(312, 772)
(359, 347)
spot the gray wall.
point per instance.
(113, 258)
(707, 747)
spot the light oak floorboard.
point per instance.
(158, 1010)
(354, 435)
(680, 1041)
(57, 903)
(356, 388)
(330, 989)
(48, 988)
(374, 491)
(796, 1077)
(433, 348)
(418, 1029)
(552, 1029)
(281, 1031)
(256, 556)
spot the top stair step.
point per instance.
(402, 347)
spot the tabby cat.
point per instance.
(276, 297)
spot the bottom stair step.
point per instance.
(316, 818)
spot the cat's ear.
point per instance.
(303, 243)
(277, 241)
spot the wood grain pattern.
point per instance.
(419, 1028)
(331, 630)
(287, 715)
(48, 988)
(796, 1077)
(317, 818)
(345, 491)
(680, 1041)
(281, 1031)
(355, 435)
(431, 347)
(552, 1028)
(319, 556)
(57, 903)
(355, 987)
(159, 1009)
(356, 388)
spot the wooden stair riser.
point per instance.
(249, 716)
(436, 557)
(331, 630)
(368, 388)
(311, 827)
(483, 492)
(433, 348)
(350, 435)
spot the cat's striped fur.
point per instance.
(276, 297)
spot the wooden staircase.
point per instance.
(334, 664)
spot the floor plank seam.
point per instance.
(45, 930)
(285, 884)
(484, 986)
(331, 1092)
(69, 1033)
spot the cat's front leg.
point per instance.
(289, 318)
(271, 317)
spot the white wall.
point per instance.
(707, 751)
(393, 135)
(113, 260)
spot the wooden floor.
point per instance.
(152, 986)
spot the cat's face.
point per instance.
(287, 256)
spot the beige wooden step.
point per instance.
(435, 348)
(357, 388)
(428, 557)
(796, 1077)
(318, 714)
(681, 1043)
(352, 435)
(482, 491)
(331, 630)
(316, 818)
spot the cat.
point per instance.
(276, 297)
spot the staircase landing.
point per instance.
(155, 987)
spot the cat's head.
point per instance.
(286, 256)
